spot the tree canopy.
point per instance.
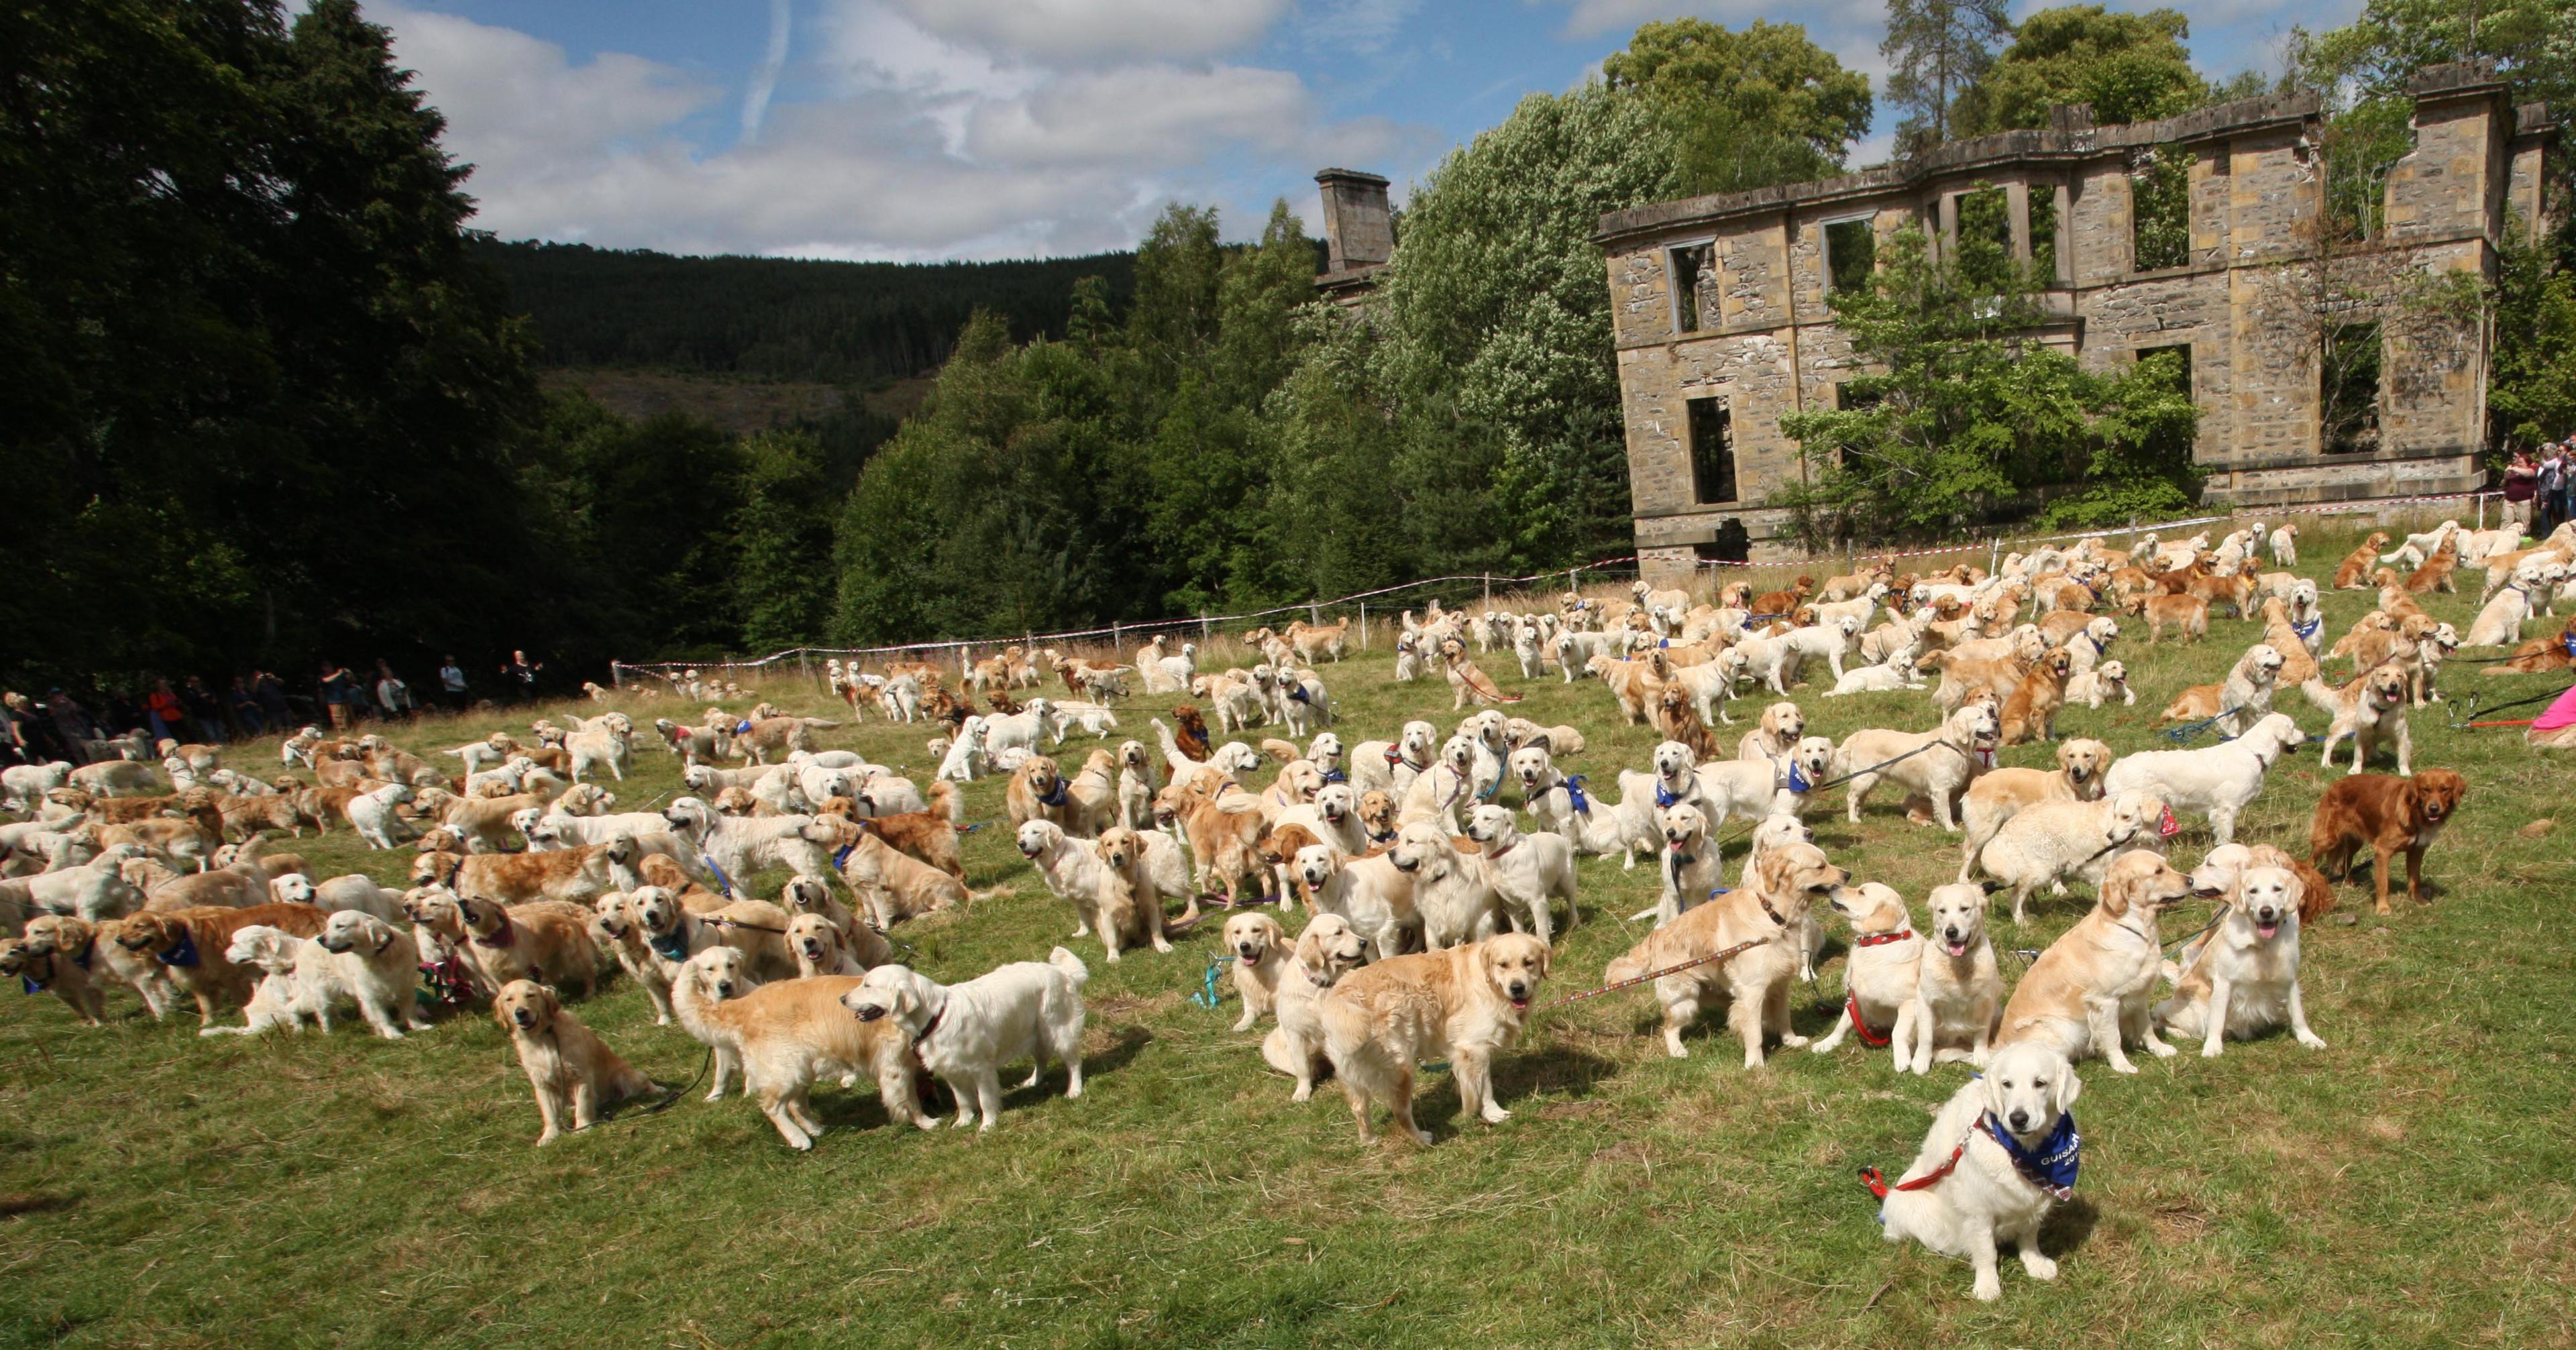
(2132, 67)
(1750, 108)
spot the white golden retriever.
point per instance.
(1992, 1165)
(2219, 780)
(965, 1033)
(2243, 979)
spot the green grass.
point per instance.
(2408, 1185)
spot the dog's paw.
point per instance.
(2124, 1066)
(2040, 1267)
(1989, 1288)
(2161, 1050)
(2312, 1040)
(1792, 1040)
(1494, 1115)
(1422, 1137)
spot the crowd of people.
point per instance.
(2540, 490)
(61, 726)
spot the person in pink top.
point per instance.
(2556, 728)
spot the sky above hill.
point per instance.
(926, 129)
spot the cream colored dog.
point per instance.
(1329, 949)
(1965, 1190)
(1959, 992)
(1260, 949)
(1883, 975)
(2091, 989)
(1464, 1003)
(2243, 979)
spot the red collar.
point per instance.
(1882, 939)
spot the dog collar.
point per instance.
(922, 1039)
(182, 953)
(1491, 852)
(500, 936)
(1765, 902)
(1665, 797)
(1882, 939)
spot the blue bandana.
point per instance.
(1574, 795)
(1298, 693)
(1797, 780)
(2050, 1167)
(2309, 629)
(29, 984)
(673, 945)
(841, 855)
(1336, 776)
(2569, 640)
(1667, 642)
(1663, 797)
(1057, 797)
(185, 953)
(743, 729)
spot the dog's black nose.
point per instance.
(2020, 1119)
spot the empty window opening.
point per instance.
(2160, 209)
(1690, 271)
(1851, 254)
(1733, 544)
(2043, 235)
(1712, 444)
(2180, 355)
(1985, 239)
(1848, 399)
(2348, 402)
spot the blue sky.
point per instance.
(920, 129)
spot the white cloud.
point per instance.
(924, 143)
(1092, 30)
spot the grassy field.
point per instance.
(2409, 1185)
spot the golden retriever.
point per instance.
(1466, 1003)
(1328, 949)
(573, 1072)
(1769, 914)
(787, 1034)
(2093, 986)
(191, 944)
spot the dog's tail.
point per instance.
(818, 721)
(1282, 751)
(1663, 947)
(2320, 693)
(1064, 960)
(1281, 1053)
(1171, 748)
(944, 802)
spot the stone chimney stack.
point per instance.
(1357, 230)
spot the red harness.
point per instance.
(1873, 1039)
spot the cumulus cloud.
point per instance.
(927, 138)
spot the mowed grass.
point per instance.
(2408, 1185)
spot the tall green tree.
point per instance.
(1751, 108)
(1961, 410)
(238, 306)
(2131, 67)
(1936, 50)
(781, 542)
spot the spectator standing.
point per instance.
(72, 723)
(270, 691)
(392, 694)
(247, 718)
(205, 711)
(451, 684)
(339, 689)
(2551, 505)
(2521, 484)
(168, 717)
(521, 676)
(17, 724)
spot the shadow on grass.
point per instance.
(2068, 1227)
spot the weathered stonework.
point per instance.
(2246, 301)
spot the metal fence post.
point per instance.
(1364, 625)
(1489, 590)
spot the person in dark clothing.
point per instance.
(266, 687)
(71, 722)
(451, 684)
(17, 729)
(248, 720)
(204, 710)
(520, 676)
(339, 690)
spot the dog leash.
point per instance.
(1737, 950)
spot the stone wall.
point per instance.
(2251, 302)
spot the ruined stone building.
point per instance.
(1359, 234)
(2198, 233)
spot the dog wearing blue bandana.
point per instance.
(2002, 1151)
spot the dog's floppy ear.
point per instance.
(2069, 1087)
(2115, 894)
(1546, 960)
